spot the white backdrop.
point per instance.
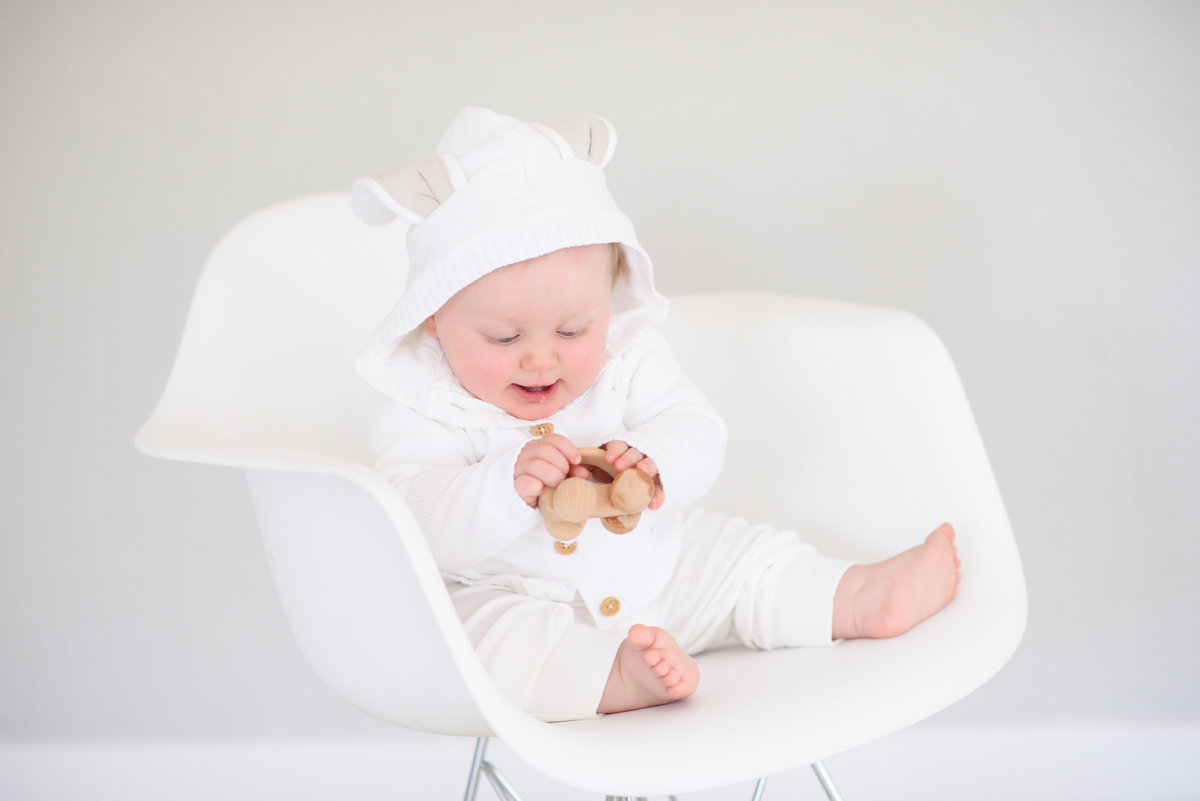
(1025, 176)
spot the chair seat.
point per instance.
(761, 713)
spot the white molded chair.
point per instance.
(846, 422)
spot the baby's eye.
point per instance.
(571, 333)
(505, 340)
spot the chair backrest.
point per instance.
(847, 422)
(264, 378)
(266, 364)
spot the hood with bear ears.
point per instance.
(499, 191)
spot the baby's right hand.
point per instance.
(545, 462)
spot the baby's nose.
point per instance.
(539, 358)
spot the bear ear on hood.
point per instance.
(411, 190)
(586, 137)
(414, 190)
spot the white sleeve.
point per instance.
(465, 504)
(669, 419)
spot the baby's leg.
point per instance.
(650, 669)
(892, 596)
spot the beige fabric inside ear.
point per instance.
(591, 138)
(417, 187)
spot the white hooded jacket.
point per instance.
(503, 191)
(453, 456)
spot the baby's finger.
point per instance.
(648, 466)
(564, 446)
(549, 452)
(549, 473)
(658, 500)
(628, 459)
(529, 488)
(613, 450)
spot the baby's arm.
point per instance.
(463, 500)
(671, 423)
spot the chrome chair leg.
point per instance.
(479, 764)
(476, 765)
(507, 792)
(826, 782)
(503, 789)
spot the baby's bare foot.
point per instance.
(649, 670)
(890, 597)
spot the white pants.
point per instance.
(735, 583)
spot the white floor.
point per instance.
(1070, 761)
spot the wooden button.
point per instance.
(542, 429)
(565, 548)
(610, 606)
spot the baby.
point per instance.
(528, 328)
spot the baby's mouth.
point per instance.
(536, 394)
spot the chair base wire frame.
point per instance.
(479, 764)
(507, 792)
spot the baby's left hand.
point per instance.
(622, 457)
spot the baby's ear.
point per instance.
(411, 190)
(431, 326)
(585, 137)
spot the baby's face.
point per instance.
(531, 337)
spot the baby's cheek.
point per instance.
(590, 362)
(482, 377)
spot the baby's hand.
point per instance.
(545, 462)
(622, 457)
